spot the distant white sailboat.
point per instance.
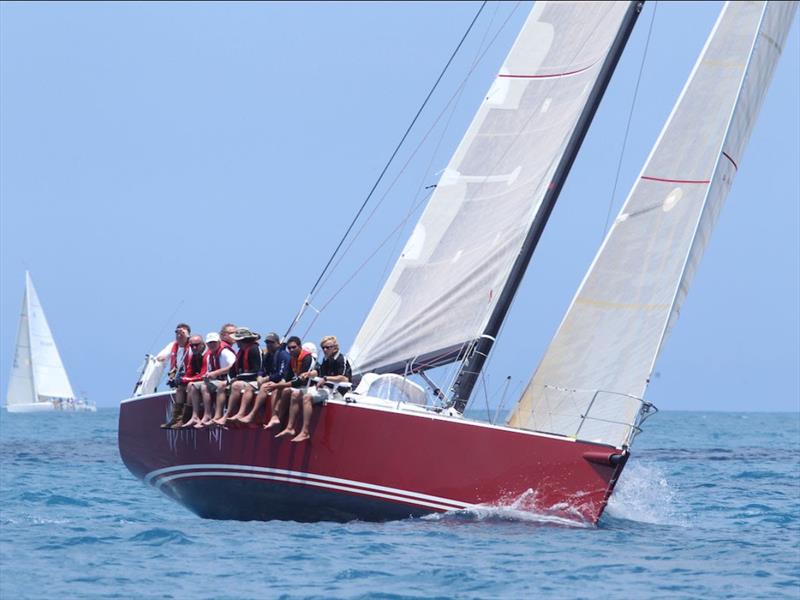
(38, 379)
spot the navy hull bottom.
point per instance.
(250, 500)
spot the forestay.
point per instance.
(601, 358)
(447, 280)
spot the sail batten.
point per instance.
(631, 296)
(454, 268)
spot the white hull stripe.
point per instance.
(167, 474)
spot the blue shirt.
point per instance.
(277, 366)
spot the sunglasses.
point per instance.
(195, 345)
(292, 347)
(328, 347)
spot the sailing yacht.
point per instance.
(386, 450)
(38, 380)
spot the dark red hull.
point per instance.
(365, 463)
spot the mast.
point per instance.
(479, 352)
(27, 309)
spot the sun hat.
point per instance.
(244, 333)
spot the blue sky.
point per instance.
(165, 162)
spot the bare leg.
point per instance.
(261, 398)
(207, 414)
(233, 403)
(281, 404)
(194, 398)
(220, 405)
(294, 408)
(247, 395)
(308, 409)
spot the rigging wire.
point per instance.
(630, 118)
(452, 101)
(166, 324)
(398, 227)
(391, 158)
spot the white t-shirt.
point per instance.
(226, 358)
(164, 354)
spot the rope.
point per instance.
(630, 117)
(396, 150)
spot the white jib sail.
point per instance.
(604, 351)
(455, 264)
(38, 374)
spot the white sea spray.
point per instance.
(644, 494)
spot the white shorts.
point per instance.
(319, 395)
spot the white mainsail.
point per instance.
(454, 267)
(38, 376)
(600, 360)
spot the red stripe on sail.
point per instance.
(676, 180)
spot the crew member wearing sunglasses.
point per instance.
(334, 368)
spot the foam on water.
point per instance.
(524, 509)
(643, 494)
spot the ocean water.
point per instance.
(709, 506)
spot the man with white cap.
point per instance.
(219, 360)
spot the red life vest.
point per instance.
(196, 368)
(213, 357)
(173, 356)
(243, 358)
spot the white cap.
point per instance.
(212, 337)
(311, 348)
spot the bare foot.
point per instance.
(301, 437)
(273, 422)
(247, 419)
(286, 432)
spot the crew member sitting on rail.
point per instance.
(194, 374)
(333, 369)
(274, 377)
(177, 353)
(219, 361)
(300, 364)
(245, 372)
